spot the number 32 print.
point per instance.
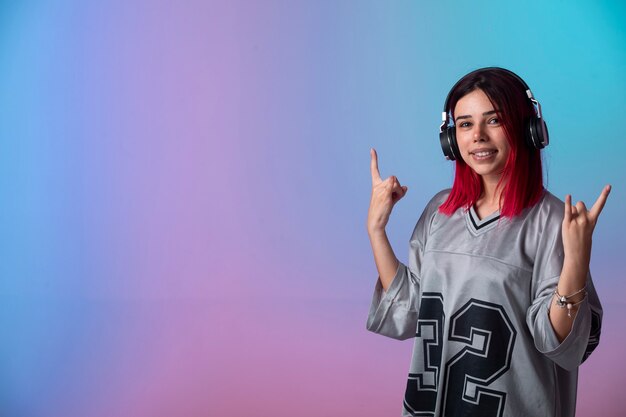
(488, 335)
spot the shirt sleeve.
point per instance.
(585, 333)
(393, 313)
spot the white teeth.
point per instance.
(486, 153)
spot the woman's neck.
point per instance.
(490, 197)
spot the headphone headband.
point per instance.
(526, 87)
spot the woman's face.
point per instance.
(480, 135)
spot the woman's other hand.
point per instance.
(578, 226)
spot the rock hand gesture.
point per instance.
(385, 194)
(578, 225)
(577, 230)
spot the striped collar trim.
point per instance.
(478, 226)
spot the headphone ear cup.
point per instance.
(537, 133)
(448, 143)
(543, 129)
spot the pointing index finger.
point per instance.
(374, 167)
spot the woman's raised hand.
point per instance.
(578, 225)
(385, 194)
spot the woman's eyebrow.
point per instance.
(467, 116)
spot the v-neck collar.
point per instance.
(478, 226)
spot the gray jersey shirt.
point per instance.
(476, 296)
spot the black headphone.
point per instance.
(536, 131)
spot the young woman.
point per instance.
(497, 291)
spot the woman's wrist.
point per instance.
(573, 277)
(376, 233)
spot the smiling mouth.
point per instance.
(483, 155)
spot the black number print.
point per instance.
(489, 335)
(594, 334)
(421, 390)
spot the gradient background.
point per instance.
(185, 187)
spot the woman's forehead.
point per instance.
(474, 103)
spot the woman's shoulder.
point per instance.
(551, 205)
(427, 218)
(438, 199)
(432, 208)
(552, 202)
(549, 209)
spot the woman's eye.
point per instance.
(494, 121)
(464, 124)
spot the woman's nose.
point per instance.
(478, 134)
